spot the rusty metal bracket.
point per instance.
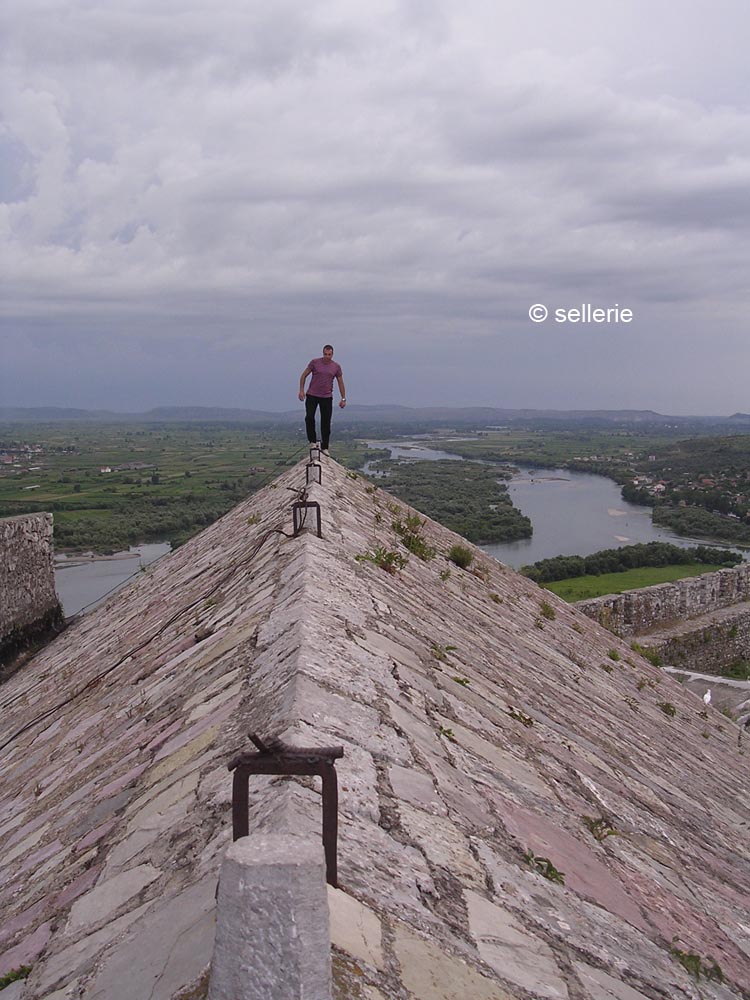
(313, 472)
(315, 454)
(298, 517)
(275, 757)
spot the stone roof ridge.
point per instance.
(528, 808)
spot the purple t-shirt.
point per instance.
(323, 374)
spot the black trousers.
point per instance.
(326, 409)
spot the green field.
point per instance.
(167, 481)
(581, 588)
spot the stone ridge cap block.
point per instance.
(276, 849)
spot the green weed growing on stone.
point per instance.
(461, 556)
(576, 628)
(463, 681)
(496, 598)
(547, 611)
(543, 866)
(390, 561)
(447, 733)
(409, 531)
(607, 666)
(696, 966)
(253, 519)
(21, 972)
(667, 707)
(519, 716)
(445, 574)
(613, 655)
(650, 654)
(441, 652)
(599, 828)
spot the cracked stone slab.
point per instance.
(169, 946)
(514, 953)
(417, 789)
(442, 844)
(432, 974)
(68, 961)
(105, 899)
(355, 928)
(601, 986)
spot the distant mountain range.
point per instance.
(354, 414)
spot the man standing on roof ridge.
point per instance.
(320, 394)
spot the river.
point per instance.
(82, 581)
(573, 513)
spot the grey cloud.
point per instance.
(397, 175)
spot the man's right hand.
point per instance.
(301, 396)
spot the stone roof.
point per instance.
(527, 807)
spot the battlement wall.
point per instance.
(29, 605)
(636, 612)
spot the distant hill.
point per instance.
(354, 414)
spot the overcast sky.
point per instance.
(198, 195)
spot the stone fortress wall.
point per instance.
(29, 606)
(701, 623)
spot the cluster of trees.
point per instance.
(625, 558)
(466, 497)
(173, 519)
(697, 521)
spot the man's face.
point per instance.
(327, 354)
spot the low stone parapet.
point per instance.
(636, 612)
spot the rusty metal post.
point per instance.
(298, 517)
(278, 758)
(330, 820)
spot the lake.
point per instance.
(573, 513)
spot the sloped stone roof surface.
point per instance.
(527, 807)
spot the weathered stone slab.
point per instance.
(416, 788)
(432, 974)
(28, 949)
(108, 897)
(355, 928)
(442, 843)
(601, 986)
(66, 961)
(514, 953)
(168, 947)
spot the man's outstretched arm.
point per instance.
(302, 378)
(342, 390)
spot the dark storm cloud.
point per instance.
(408, 176)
